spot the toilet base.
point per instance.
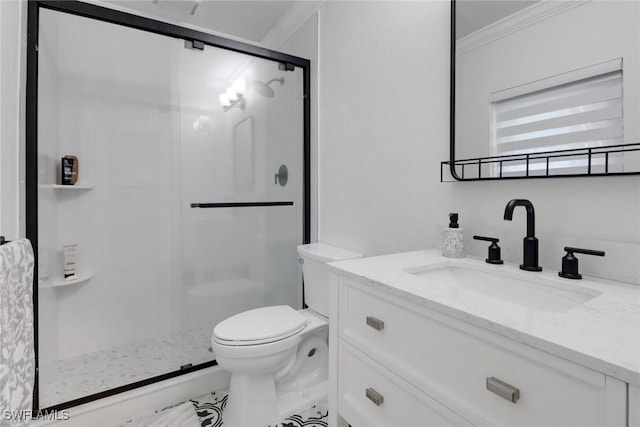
(290, 403)
(260, 405)
(253, 402)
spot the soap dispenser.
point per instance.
(453, 239)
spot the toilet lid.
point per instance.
(259, 326)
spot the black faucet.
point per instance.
(530, 243)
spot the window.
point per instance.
(579, 109)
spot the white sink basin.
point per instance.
(537, 293)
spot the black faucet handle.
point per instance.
(494, 249)
(486, 239)
(570, 262)
(569, 250)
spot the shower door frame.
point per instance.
(117, 17)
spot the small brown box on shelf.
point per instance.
(69, 170)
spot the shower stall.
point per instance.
(190, 193)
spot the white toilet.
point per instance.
(277, 356)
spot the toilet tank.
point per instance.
(315, 274)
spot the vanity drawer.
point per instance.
(371, 395)
(451, 361)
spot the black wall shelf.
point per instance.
(595, 161)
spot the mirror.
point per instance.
(545, 88)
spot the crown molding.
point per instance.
(290, 22)
(535, 13)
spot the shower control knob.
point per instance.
(282, 176)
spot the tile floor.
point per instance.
(210, 410)
(91, 373)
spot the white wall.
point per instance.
(12, 42)
(383, 123)
(2, 37)
(383, 126)
(303, 42)
(112, 111)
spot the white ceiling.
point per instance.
(253, 20)
(472, 15)
(248, 20)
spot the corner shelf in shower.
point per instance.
(68, 187)
(81, 277)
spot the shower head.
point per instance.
(265, 89)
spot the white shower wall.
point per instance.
(116, 118)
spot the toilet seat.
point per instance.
(260, 326)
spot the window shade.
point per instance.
(558, 114)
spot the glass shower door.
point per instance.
(241, 185)
(182, 214)
(105, 98)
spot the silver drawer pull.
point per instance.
(502, 389)
(374, 396)
(376, 324)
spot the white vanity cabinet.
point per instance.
(398, 363)
(634, 406)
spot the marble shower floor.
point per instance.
(91, 373)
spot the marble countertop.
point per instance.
(599, 330)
